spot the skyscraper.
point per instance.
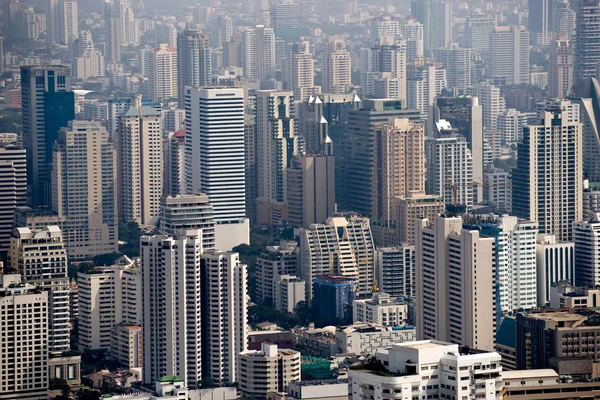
(139, 147)
(412, 33)
(509, 55)
(586, 235)
(548, 180)
(286, 19)
(458, 64)
(455, 291)
(112, 26)
(560, 68)
(48, 104)
(425, 81)
(586, 94)
(436, 17)
(84, 189)
(39, 255)
(62, 21)
(9, 19)
(477, 32)
(587, 54)
(188, 211)
(336, 67)
(171, 290)
(299, 71)
(384, 62)
(277, 143)
(162, 73)
(258, 55)
(492, 103)
(540, 21)
(13, 176)
(193, 61)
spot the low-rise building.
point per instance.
(330, 389)
(126, 345)
(288, 291)
(319, 342)
(365, 339)
(565, 295)
(381, 309)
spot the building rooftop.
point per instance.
(169, 378)
(529, 373)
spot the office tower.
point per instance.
(267, 370)
(425, 81)
(112, 25)
(9, 19)
(540, 21)
(215, 158)
(492, 103)
(24, 309)
(342, 246)
(395, 270)
(258, 54)
(420, 363)
(274, 262)
(417, 205)
(13, 179)
(587, 95)
(548, 179)
(456, 285)
(224, 305)
(62, 21)
(458, 64)
(299, 71)
(449, 166)
(165, 34)
(555, 263)
(314, 127)
(412, 34)
(162, 73)
(224, 30)
(497, 188)
(48, 104)
(436, 17)
(381, 62)
(174, 158)
(332, 294)
(188, 211)
(560, 68)
(477, 32)
(108, 296)
(563, 21)
(466, 116)
(139, 148)
(277, 143)
(286, 19)
(311, 189)
(250, 165)
(171, 290)
(515, 260)
(586, 54)
(586, 236)
(336, 67)
(84, 189)
(358, 161)
(193, 61)
(39, 255)
(509, 56)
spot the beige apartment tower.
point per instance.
(336, 67)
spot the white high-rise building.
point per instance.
(425, 80)
(395, 270)
(13, 175)
(162, 73)
(171, 293)
(258, 54)
(342, 246)
(40, 256)
(555, 263)
(492, 103)
(194, 61)
(436, 17)
(381, 309)
(130, 32)
(449, 166)
(458, 64)
(511, 123)
(224, 315)
(336, 67)
(509, 55)
(477, 32)
(456, 288)
(188, 211)
(62, 21)
(139, 147)
(586, 236)
(384, 60)
(165, 34)
(215, 162)
(24, 310)
(299, 71)
(108, 296)
(84, 189)
(276, 261)
(548, 180)
(412, 33)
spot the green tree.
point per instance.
(106, 259)
(60, 384)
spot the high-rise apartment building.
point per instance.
(548, 180)
(258, 54)
(108, 296)
(560, 68)
(417, 205)
(497, 188)
(586, 54)
(425, 81)
(395, 270)
(188, 211)
(436, 17)
(563, 18)
(48, 104)
(62, 21)
(586, 236)
(171, 290)
(555, 263)
(342, 246)
(511, 124)
(509, 55)
(174, 160)
(299, 71)
(492, 103)
(586, 94)
(336, 67)
(224, 305)
(456, 288)
(39, 255)
(276, 261)
(13, 179)
(384, 61)
(84, 189)
(277, 143)
(477, 32)
(412, 34)
(162, 73)
(130, 32)
(458, 64)
(165, 34)
(224, 30)
(24, 309)
(139, 147)
(193, 61)
(311, 189)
